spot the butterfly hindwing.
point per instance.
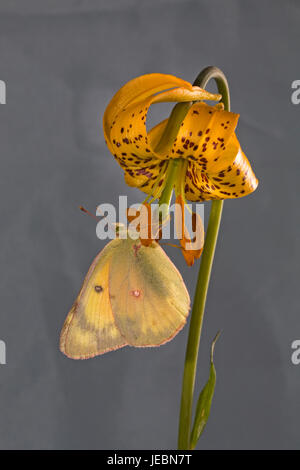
(149, 299)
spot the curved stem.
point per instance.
(215, 73)
(197, 315)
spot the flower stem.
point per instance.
(171, 178)
(196, 321)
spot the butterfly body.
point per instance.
(132, 295)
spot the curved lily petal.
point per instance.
(138, 89)
(203, 134)
(124, 119)
(228, 176)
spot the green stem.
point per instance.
(166, 195)
(196, 321)
(171, 178)
(169, 135)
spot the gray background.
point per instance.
(62, 61)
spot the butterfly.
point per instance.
(132, 295)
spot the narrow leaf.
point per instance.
(205, 400)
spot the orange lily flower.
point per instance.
(215, 166)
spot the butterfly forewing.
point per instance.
(89, 329)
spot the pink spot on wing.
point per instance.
(136, 249)
(135, 293)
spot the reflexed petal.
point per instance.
(230, 176)
(204, 134)
(125, 117)
(182, 95)
(138, 89)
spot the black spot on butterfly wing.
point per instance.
(98, 289)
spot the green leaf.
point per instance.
(205, 400)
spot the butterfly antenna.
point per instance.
(87, 212)
(173, 245)
(113, 227)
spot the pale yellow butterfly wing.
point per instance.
(89, 329)
(149, 299)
